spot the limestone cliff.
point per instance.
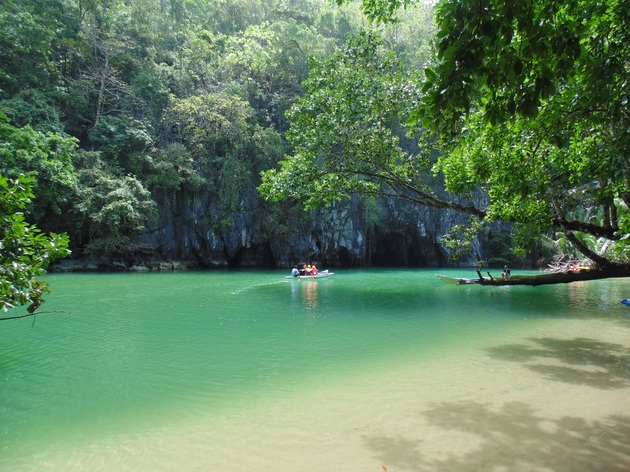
(191, 227)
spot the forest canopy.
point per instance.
(115, 112)
(526, 103)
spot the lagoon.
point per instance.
(379, 369)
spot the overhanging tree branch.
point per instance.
(601, 261)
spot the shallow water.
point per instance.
(365, 370)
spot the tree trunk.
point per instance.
(556, 277)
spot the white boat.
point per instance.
(320, 275)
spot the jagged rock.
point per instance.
(189, 229)
(118, 265)
(66, 265)
(165, 266)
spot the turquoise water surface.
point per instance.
(142, 350)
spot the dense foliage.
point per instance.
(118, 108)
(24, 250)
(181, 95)
(30, 161)
(350, 115)
(531, 101)
(526, 103)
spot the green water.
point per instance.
(144, 350)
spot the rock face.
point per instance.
(393, 233)
(193, 232)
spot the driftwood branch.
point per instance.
(557, 277)
(34, 314)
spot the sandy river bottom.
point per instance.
(556, 398)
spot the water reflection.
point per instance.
(594, 298)
(305, 293)
(310, 295)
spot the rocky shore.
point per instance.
(90, 265)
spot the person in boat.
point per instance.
(308, 270)
(314, 271)
(295, 272)
(506, 272)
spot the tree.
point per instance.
(119, 140)
(531, 104)
(27, 31)
(47, 159)
(221, 136)
(24, 250)
(114, 209)
(346, 132)
(528, 103)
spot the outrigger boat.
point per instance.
(320, 275)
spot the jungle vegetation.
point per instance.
(527, 103)
(110, 107)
